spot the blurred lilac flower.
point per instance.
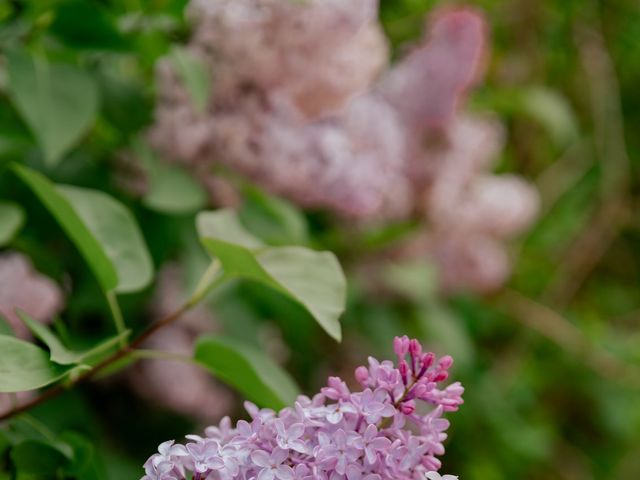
(307, 105)
(23, 288)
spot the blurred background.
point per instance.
(549, 353)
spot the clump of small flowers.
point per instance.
(393, 428)
(307, 104)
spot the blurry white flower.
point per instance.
(437, 476)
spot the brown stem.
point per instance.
(387, 421)
(110, 360)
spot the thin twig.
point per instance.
(212, 277)
(591, 245)
(561, 331)
(110, 360)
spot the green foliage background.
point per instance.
(551, 364)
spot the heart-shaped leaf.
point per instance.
(274, 220)
(23, 366)
(194, 76)
(58, 352)
(254, 374)
(57, 101)
(171, 189)
(116, 230)
(104, 231)
(310, 278)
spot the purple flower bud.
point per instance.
(427, 360)
(362, 375)
(401, 346)
(403, 367)
(415, 349)
(441, 376)
(419, 390)
(445, 362)
(408, 407)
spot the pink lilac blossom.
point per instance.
(427, 85)
(287, 105)
(317, 53)
(470, 211)
(391, 429)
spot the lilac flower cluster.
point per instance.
(385, 431)
(307, 105)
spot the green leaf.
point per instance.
(312, 279)
(104, 231)
(85, 464)
(225, 226)
(5, 328)
(57, 101)
(58, 352)
(35, 459)
(171, 189)
(11, 220)
(274, 220)
(116, 230)
(553, 111)
(72, 224)
(258, 377)
(23, 366)
(415, 279)
(5, 443)
(84, 25)
(194, 76)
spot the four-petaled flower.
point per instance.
(335, 412)
(338, 450)
(437, 476)
(374, 405)
(290, 438)
(204, 454)
(160, 471)
(272, 465)
(371, 443)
